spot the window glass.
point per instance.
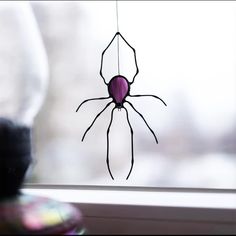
(186, 54)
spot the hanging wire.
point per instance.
(118, 43)
(117, 16)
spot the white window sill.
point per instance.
(149, 211)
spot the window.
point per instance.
(186, 53)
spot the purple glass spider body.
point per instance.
(118, 90)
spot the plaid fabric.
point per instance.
(26, 214)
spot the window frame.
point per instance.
(125, 210)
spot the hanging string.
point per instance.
(117, 16)
(118, 44)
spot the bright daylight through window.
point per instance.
(186, 54)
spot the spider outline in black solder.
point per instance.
(122, 85)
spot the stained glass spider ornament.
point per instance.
(118, 90)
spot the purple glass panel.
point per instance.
(118, 88)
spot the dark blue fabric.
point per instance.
(15, 156)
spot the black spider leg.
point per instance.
(103, 56)
(135, 58)
(108, 130)
(87, 100)
(147, 95)
(96, 118)
(132, 145)
(144, 121)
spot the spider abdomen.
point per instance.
(118, 89)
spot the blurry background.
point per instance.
(186, 53)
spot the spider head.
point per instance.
(119, 106)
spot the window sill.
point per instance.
(148, 211)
